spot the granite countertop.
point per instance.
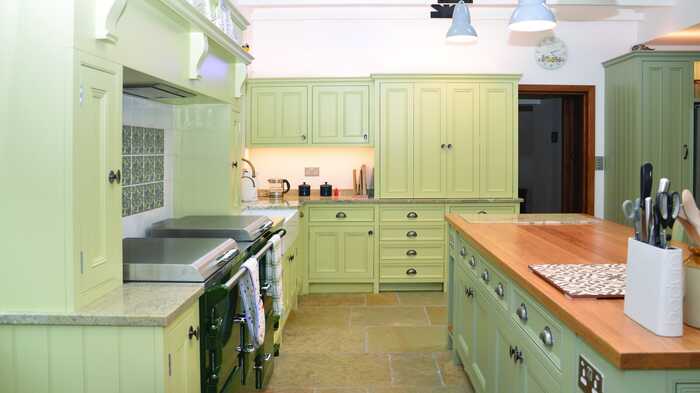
(133, 304)
(346, 196)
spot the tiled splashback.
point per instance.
(143, 176)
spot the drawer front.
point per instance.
(483, 209)
(412, 251)
(497, 285)
(412, 233)
(539, 325)
(408, 271)
(342, 213)
(421, 213)
(468, 257)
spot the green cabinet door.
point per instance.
(462, 138)
(496, 139)
(667, 95)
(279, 115)
(509, 376)
(396, 140)
(235, 153)
(341, 253)
(463, 317)
(483, 341)
(98, 197)
(429, 146)
(182, 363)
(340, 115)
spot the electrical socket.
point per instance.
(590, 380)
(311, 171)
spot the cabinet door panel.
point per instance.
(396, 134)
(279, 115)
(182, 363)
(98, 151)
(264, 115)
(496, 139)
(355, 121)
(462, 129)
(358, 253)
(325, 252)
(293, 115)
(483, 341)
(509, 376)
(327, 116)
(463, 316)
(341, 114)
(428, 139)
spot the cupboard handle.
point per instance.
(449, 146)
(518, 356)
(411, 272)
(469, 292)
(547, 337)
(370, 232)
(412, 234)
(511, 351)
(442, 146)
(482, 212)
(463, 252)
(485, 276)
(341, 215)
(234, 164)
(685, 152)
(472, 261)
(412, 215)
(411, 253)
(115, 176)
(365, 136)
(303, 137)
(193, 333)
(521, 312)
(499, 290)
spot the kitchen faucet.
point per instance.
(252, 168)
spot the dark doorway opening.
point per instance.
(556, 149)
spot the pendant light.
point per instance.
(531, 16)
(461, 29)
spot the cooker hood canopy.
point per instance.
(149, 87)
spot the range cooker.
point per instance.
(211, 250)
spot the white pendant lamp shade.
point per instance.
(532, 15)
(461, 29)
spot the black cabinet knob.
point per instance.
(115, 176)
(193, 333)
(370, 232)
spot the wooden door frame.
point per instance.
(588, 94)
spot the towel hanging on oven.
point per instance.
(274, 274)
(249, 287)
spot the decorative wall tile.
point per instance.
(143, 164)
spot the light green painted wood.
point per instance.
(181, 358)
(429, 140)
(341, 214)
(341, 253)
(462, 133)
(340, 115)
(483, 341)
(509, 377)
(279, 115)
(491, 208)
(497, 133)
(396, 140)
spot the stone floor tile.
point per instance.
(437, 314)
(452, 374)
(333, 299)
(388, 316)
(423, 298)
(342, 390)
(383, 299)
(331, 370)
(323, 340)
(407, 339)
(320, 317)
(414, 370)
(421, 389)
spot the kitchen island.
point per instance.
(514, 332)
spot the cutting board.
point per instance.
(585, 280)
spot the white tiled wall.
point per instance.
(146, 113)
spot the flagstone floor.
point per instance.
(377, 343)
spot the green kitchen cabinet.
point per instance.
(429, 145)
(182, 354)
(97, 189)
(463, 322)
(648, 117)
(482, 340)
(341, 253)
(396, 140)
(340, 114)
(497, 109)
(279, 115)
(510, 377)
(462, 138)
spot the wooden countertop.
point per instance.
(600, 322)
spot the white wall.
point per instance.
(333, 42)
(661, 21)
(146, 113)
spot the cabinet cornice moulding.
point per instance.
(426, 3)
(199, 48)
(107, 15)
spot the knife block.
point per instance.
(654, 288)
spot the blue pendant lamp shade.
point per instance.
(461, 29)
(532, 15)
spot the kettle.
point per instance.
(278, 187)
(249, 191)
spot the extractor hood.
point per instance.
(150, 87)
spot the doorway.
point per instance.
(556, 145)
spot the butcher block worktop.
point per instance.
(514, 242)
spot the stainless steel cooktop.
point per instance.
(176, 259)
(239, 228)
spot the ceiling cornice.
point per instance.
(477, 3)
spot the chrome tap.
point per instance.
(250, 164)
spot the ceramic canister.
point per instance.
(326, 189)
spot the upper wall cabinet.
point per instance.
(294, 112)
(448, 138)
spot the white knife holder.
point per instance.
(654, 288)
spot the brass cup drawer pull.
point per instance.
(411, 253)
(472, 261)
(486, 276)
(500, 291)
(547, 337)
(412, 234)
(412, 215)
(521, 312)
(411, 272)
(341, 215)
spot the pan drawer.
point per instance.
(407, 271)
(413, 213)
(411, 251)
(544, 330)
(412, 233)
(341, 213)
